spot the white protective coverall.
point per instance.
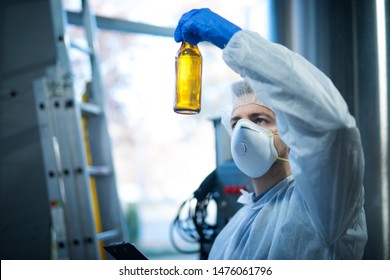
(317, 212)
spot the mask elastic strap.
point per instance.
(273, 133)
(279, 158)
(282, 159)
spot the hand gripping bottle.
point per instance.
(188, 80)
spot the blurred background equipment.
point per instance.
(201, 217)
(60, 141)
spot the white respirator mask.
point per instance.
(253, 148)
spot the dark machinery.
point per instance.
(203, 215)
(222, 187)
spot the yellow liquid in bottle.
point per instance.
(188, 80)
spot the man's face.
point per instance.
(262, 116)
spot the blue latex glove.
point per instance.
(204, 25)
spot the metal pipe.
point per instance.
(122, 25)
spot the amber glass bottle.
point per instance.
(188, 80)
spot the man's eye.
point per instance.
(233, 125)
(260, 121)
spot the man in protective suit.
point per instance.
(293, 134)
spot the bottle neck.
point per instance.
(189, 49)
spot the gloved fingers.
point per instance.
(187, 33)
(204, 25)
(190, 36)
(178, 35)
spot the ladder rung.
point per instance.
(80, 48)
(106, 235)
(98, 170)
(90, 109)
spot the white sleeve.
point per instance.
(326, 157)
